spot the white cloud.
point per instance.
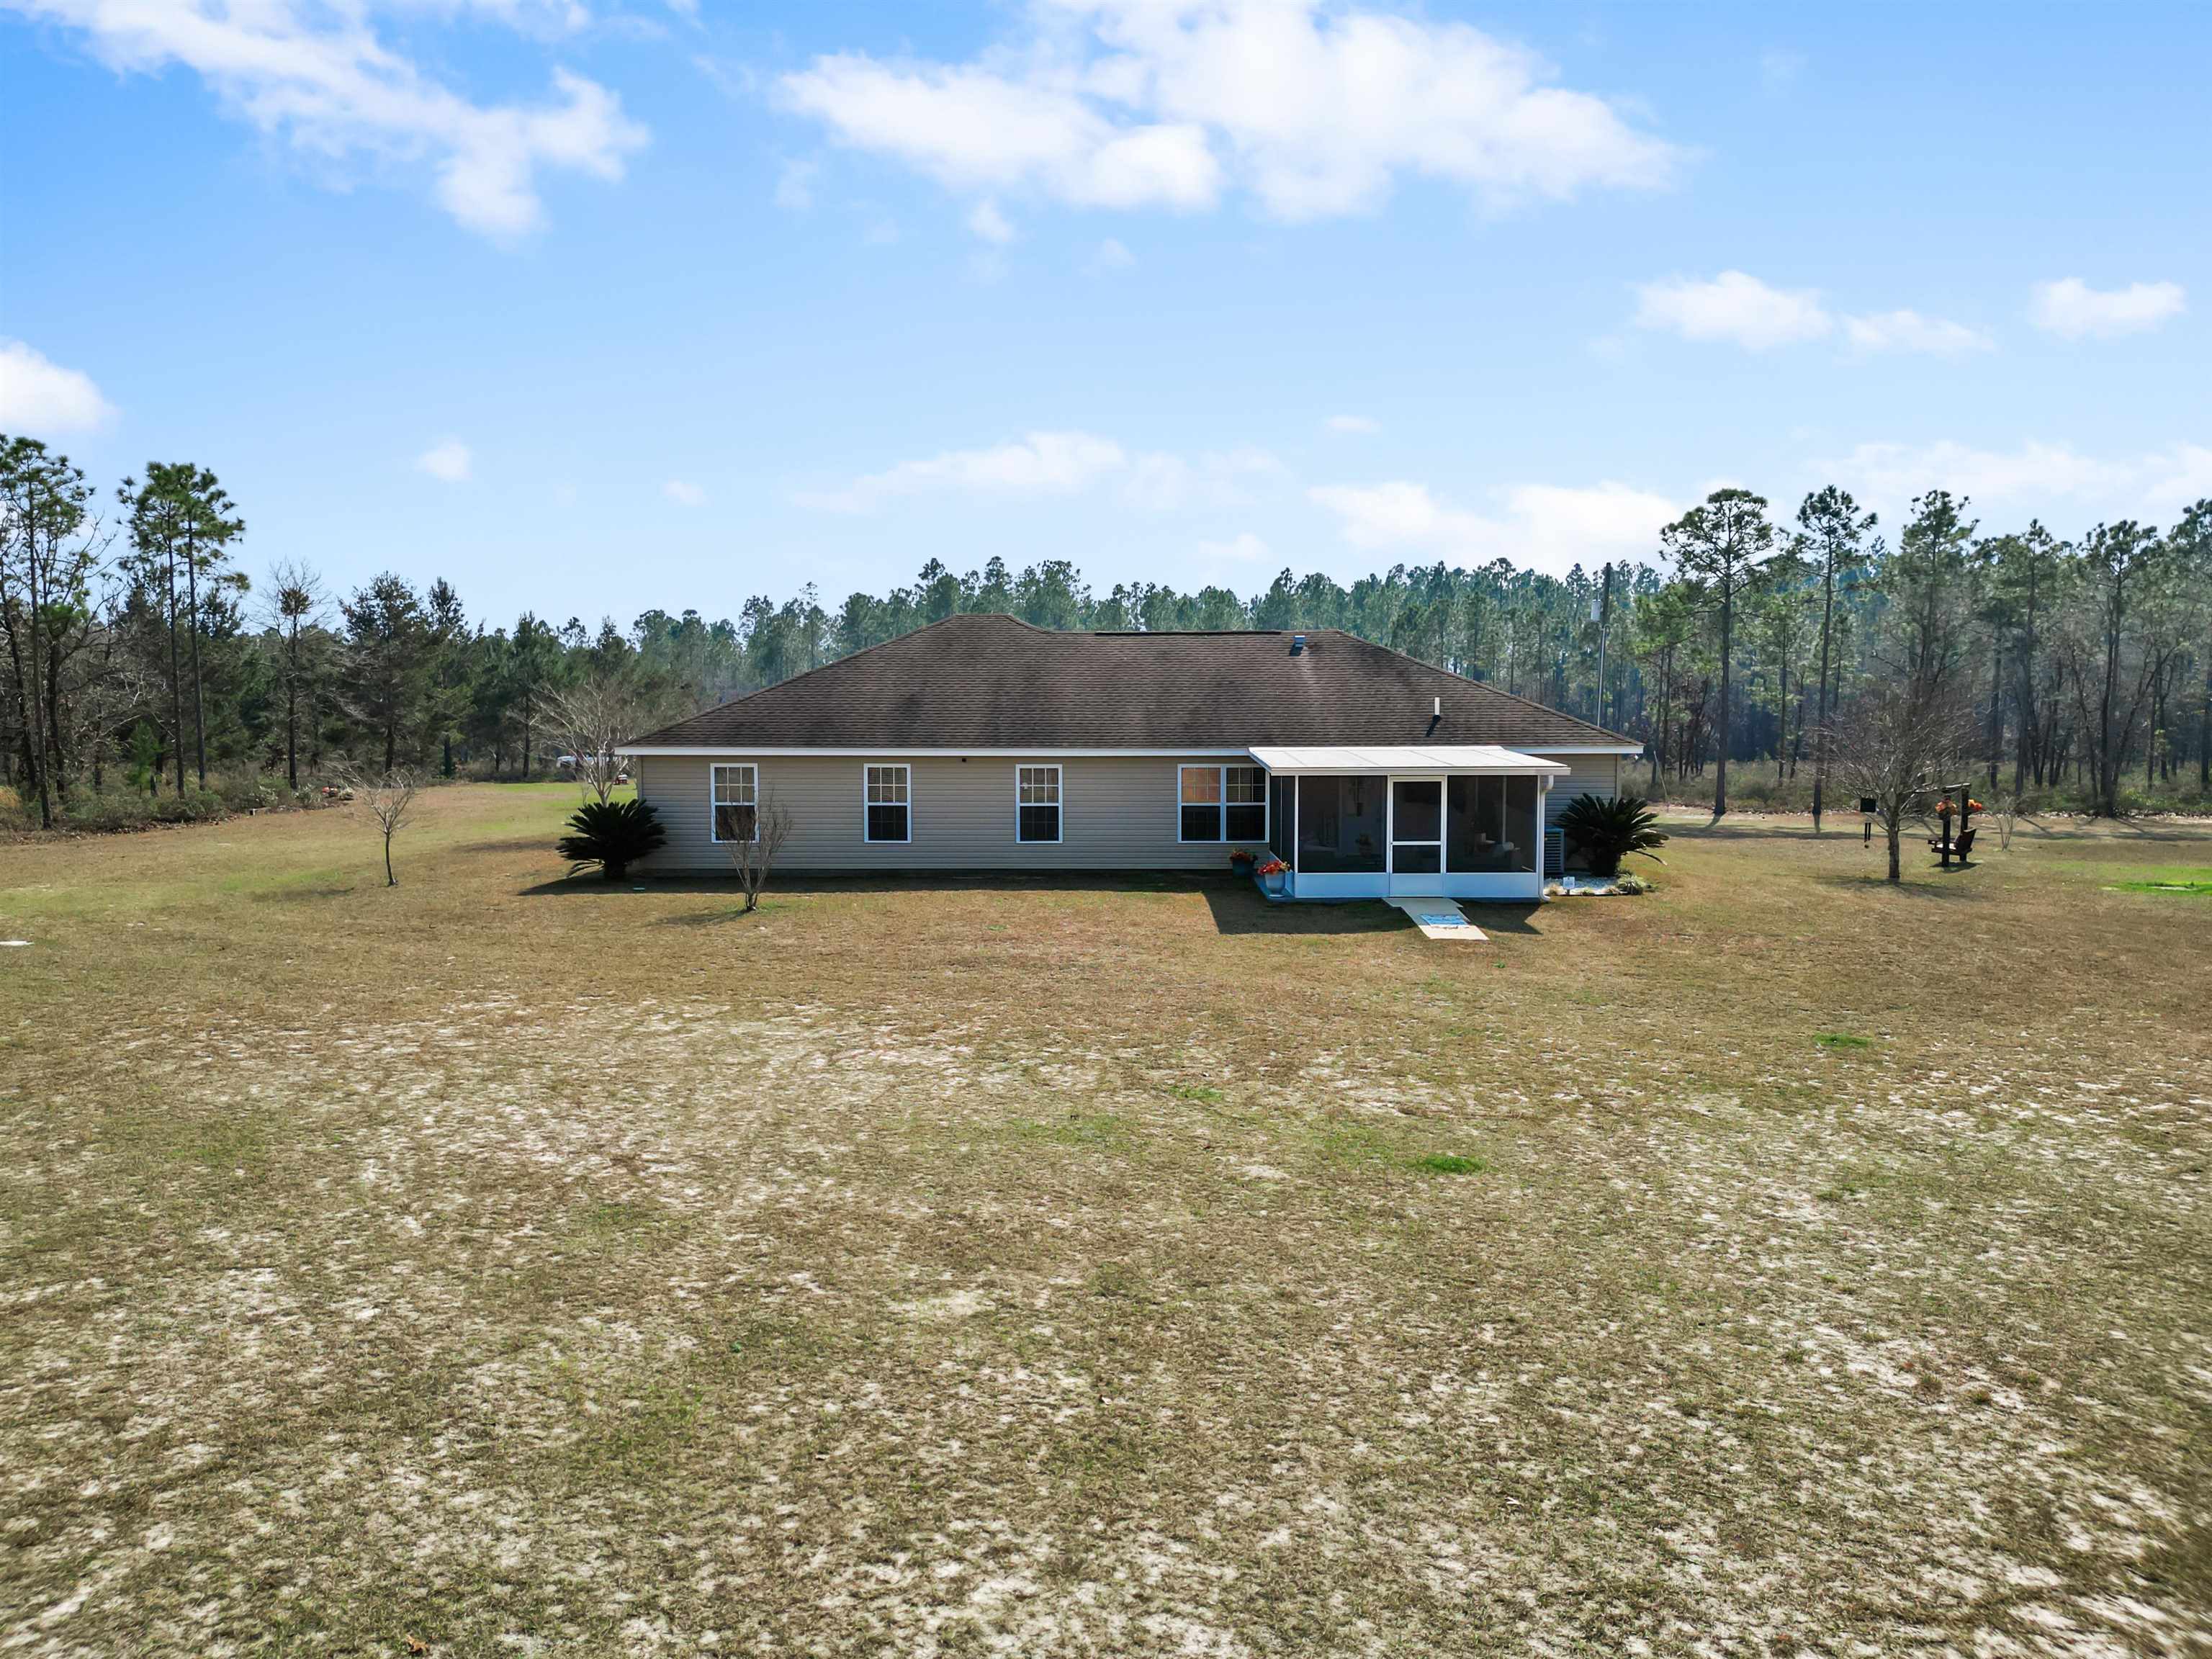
(1908, 330)
(794, 186)
(2072, 308)
(1738, 307)
(1314, 110)
(985, 222)
(1244, 547)
(1111, 255)
(2158, 481)
(1542, 527)
(320, 76)
(449, 462)
(1779, 68)
(1363, 425)
(39, 397)
(1041, 464)
(1734, 307)
(683, 493)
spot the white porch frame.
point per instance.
(1393, 766)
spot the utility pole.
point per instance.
(1601, 613)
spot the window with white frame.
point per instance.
(736, 797)
(1036, 802)
(1222, 803)
(888, 804)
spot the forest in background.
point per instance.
(151, 674)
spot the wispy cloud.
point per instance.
(1908, 330)
(794, 186)
(321, 78)
(2161, 481)
(1779, 68)
(449, 462)
(987, 224)
(1364, 424)
(683, 494)
(39, 398)
(1244, 548)
(1541, 526)
(1049, 464)
(2070, 307)
(1734, 307)
(1314, 110)
(1111, 255)
(1738, 309)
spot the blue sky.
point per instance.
(591, 307)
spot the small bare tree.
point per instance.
(1895, 744)
(592, 720)
(753, 857)
(386, 800)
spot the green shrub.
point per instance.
(613, 834)
(1608, 831)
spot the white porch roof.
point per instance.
(1468, 758)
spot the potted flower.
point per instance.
(1272, 876)
(1240, 861)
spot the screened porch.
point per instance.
(1461, 821)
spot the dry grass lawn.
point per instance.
(1779, 1264)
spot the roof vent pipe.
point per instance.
(1437, 709)
(1297, 645)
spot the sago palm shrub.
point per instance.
(1608, 831)
(613, 834)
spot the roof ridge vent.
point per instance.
(1297, 645)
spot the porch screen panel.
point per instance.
(1278, 826)
(1486, 832)
(1341, 829)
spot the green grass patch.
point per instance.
(1075, 1129)
(1449, 1163)
(2196, 889)
(1842, 1041)
(1197, 1091)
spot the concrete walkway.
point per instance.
(1438, 918)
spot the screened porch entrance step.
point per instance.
(1438, 918)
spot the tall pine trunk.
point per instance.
(292, 713)
(199, 700)
(176, 679)
(1728, 651)
(1820, 738)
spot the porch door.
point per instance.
(1417, 835)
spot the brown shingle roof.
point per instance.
(987, 682)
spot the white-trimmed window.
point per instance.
(1036, 802)
(736, 803)
(890, 805)
(1222, 803)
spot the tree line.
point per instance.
(147, 672)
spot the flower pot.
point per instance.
(1272, 885)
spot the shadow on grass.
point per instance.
(1932, 883)
(1239, 907)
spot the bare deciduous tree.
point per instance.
(1896, 743)
(593, 718)
(753, 857)
(386, 799)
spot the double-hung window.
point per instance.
(1036, 802)
(889, 789)
(1222, 803)
(736, 799)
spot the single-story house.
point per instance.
(982, 743)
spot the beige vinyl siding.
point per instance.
(1593, 775)
(1116, 813)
